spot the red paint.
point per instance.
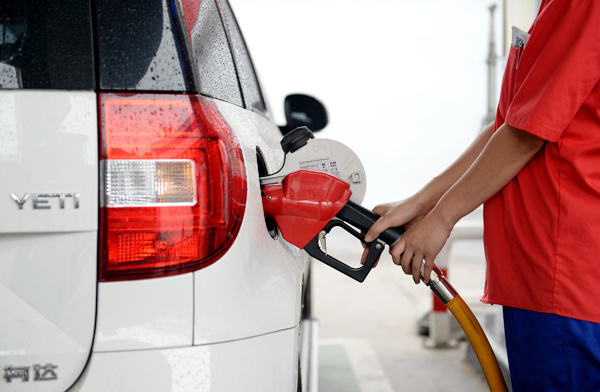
(304, 203)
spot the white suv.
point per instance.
(134, 252)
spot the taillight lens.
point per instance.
(173, 185)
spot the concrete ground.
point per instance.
(368, 331)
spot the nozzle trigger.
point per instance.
(360, 273)
(323, 241)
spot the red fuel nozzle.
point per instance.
(307, 205)
(304, 203)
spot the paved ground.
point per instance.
(368, 332)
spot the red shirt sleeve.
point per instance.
(558, 67)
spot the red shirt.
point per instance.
(542, 231)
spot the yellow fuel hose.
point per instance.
(469, 324)
(479, 342)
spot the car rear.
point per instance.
(134, 253)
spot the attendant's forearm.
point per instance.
(439, 185)
(506, 153)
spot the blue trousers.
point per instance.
(547, 352)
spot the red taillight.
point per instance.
(173, 185)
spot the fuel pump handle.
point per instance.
(306, 205)
(361, 218)
(359, 273)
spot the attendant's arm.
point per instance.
(408, 211)
(506, 153)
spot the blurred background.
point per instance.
(405, 82)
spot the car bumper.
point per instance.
(263, 363)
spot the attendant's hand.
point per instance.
(421, 243)
(402, 213)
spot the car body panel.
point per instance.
(259, 279)
(47, 247)
(145, 314)
(49, 147)
(263, 363)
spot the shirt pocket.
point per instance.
(509, 81)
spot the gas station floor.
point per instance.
(368, 334)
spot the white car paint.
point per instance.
(257, 364)
(259, 279)
(145, 314)
(48, 253)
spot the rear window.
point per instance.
(46, 44)
(139, 46)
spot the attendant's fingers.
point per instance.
(376, 228)
(364, 255)
(406, 261)
(417, 262)
(397, 251)
(428, 267)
